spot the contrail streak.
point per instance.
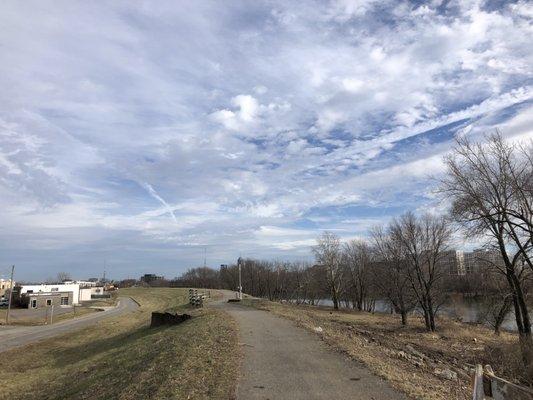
(154, 194)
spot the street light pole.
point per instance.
(10, 294)
(239, 262)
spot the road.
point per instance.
(24, 314)
(283, 361)
(16, 336)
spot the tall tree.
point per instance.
(390, 271)
(491, 185)
(328, 254)
(356, 258)
(424, 241)
(63, 276)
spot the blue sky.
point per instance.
(137, 134)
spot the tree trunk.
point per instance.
(426, 320)
(335, 301)
(432, 327)
(523, 307)
(424, 304)
(404, 317)
(431, 313)
(502, 312)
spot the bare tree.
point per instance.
(390, 271)
(328, 254)
(496, 300)
(63, 276)
(356, 258)
(491, 187)
(424, 241)
(490, 183)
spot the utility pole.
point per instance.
(239, 262)
(205, 257)
(10, 294)
(105, 267)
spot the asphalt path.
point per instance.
(16, 336)
(283, 361)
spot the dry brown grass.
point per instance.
(387, 348)
(122, 358)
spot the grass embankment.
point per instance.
(423, 365)
(123, 358)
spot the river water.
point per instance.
(464, 310)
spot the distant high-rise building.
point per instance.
(148, 278)
(461, 263)
(453, 262)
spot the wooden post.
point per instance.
(479, 393)
(488, 384)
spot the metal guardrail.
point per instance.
(488, 386)
(196, 298)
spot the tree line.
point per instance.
(489, 185)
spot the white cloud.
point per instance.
(246, 114)
(314, 113)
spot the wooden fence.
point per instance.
(488, 386)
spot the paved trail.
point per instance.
(15, 336)
(283, 361)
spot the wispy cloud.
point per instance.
(262, 123)
(156, 196)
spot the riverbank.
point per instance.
(421, 364)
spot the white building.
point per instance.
(5, 284)
(86, 293)
(60, 288)
(83, 283)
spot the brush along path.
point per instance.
(282, 361)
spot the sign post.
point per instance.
(239, 263)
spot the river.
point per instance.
(464, 310)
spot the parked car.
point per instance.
(4, 302)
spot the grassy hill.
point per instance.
(122, 358)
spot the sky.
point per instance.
(139, 137)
